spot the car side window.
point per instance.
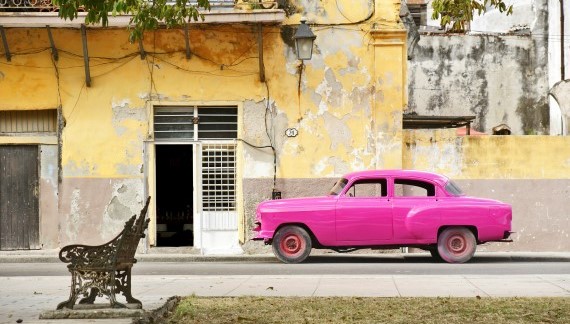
(368, 188)
(413, 188)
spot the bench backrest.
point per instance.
(129, 238)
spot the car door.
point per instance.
(414, 202)
(364, 213)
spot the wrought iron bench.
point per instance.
(105, 269)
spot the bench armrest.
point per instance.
(89, 256)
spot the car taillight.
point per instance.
(257, 226)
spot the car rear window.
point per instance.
(453, 188)
(338, 186)
(413, 188)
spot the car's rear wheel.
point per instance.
(456, 244)
(292, 244)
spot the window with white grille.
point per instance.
(219, 186)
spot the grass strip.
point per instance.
(370, 310)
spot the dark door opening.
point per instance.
(174, 195)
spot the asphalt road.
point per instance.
(318, 265)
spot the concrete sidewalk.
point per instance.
(26, 297)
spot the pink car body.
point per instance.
(385, 209)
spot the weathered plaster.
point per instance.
(338, 131)
(487, 157)
(439, 151)
(258, 161)
(92, 211)
(123, 114)
(342, 123)
(48, 203)
(126, 201)
(331, 12)
(499, 79)
(260, 189)
(558, 115)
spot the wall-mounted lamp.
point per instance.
(304, 39)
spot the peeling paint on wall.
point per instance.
(48, 204)
(76, 217)
(126, 201)
(123, 113)
(487, 157)
(341, 124)
(338, 131)
(499, 79)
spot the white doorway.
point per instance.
(193, 177)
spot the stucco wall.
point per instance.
(497, 78)
(559, 110)
(532, 173)
(48, 198)
(346, 103)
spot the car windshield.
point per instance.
(453, 188)
(338, 186)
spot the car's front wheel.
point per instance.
(292, 244)
(456, 244)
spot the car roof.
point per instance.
(395, 173)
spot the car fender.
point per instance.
(422, 223)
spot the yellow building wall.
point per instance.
(346, 103)
(487, 157)
(104, 127)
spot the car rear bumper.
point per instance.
(506, 237)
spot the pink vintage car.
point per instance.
(384, 209)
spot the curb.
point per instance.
(270, 258)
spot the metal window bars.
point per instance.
(219, 186)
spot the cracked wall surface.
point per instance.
(344, 105)
(499, 78)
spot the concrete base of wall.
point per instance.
(220, 243)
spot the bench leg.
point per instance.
(123, 285)
(91, 298)
(72, 294)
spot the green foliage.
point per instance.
(184, 309)
(146, 14)
(456, 13)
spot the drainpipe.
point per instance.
(562, 39)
